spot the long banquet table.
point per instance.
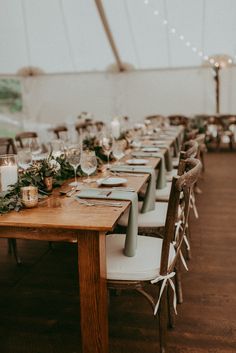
(60, 218)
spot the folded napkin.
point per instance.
(168, 160)
(149, 198)
(161, 178)
(132, 229)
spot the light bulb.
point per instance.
(187, 44)
(181, 37)
(156, 13)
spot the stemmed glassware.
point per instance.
(106, 143)
(88, 164)
(73, 156)
(118, 149)
(35, 148)
(57, 148)
(24, 158)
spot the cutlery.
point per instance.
(124, 173)
(99, 203)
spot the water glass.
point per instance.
(88, 164)
(73, 156)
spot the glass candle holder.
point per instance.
(8, 171)
(29, 196)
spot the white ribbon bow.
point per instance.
(165, 279)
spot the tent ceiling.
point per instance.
(68, 36)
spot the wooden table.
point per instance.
(60, 218)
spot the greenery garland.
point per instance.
(57, 168)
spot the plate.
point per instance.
(113, 181)
(150, 149)
(137, 161)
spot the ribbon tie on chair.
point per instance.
(165, 279)
(178, 228)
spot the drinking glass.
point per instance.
(118, 150)
(88, 164)
(73, 156)
(8, 171)
(57, 148)
(35, 148)
(24, 158)
(106, 143)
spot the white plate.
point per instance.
(137, 161)
(150, 149)
(113, 181)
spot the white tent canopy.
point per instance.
(165, 43)
(68, 36)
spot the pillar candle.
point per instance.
(115, 128)
(8, 176)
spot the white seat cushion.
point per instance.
(170, 175)
(155, 218)
(145, 265)
(163, 194)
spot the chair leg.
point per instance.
(12, 246)
(163, 321)
(171, 314)
(178, 284)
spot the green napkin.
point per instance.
(161, 178)
(149, 198)
(168, 160)
(132, 228)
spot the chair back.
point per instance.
(7, 146)
(178, 211)
(23, 137)
(59, 131)
(190, 150)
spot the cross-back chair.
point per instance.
(7, 146)
(59, 131)
(23, 138)
(189, 150)
(155, 259)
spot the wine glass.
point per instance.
(57, 147)
(118, 149)
(35, 148)
(73, 156)
(24, 158)
(88, 164)
(106, 143)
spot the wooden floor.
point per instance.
(39, 302)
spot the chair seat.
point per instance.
(163, 194)
(155, 218)
(144, 266)
(171, 174)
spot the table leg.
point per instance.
(93, 291)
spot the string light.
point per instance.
(187, 43)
